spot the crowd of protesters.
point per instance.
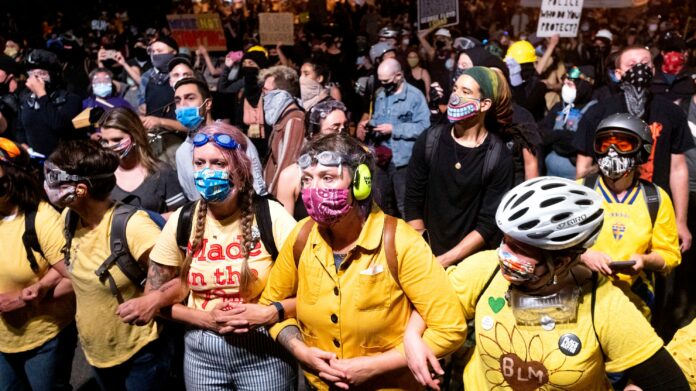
(353, 204)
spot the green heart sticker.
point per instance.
(496, 303)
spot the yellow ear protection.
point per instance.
(362, 182)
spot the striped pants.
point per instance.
(251, 361)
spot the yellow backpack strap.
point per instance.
(301, 241)
(390, 247)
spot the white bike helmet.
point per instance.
(551, 213)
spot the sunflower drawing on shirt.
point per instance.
(511, 362)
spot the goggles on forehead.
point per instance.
(326, 158)
(224, 140)
(55, 175)
(623, 143)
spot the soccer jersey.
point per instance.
(628, 230)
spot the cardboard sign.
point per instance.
(437, 13)
(275, 27)
(191, 30)
(559, 17)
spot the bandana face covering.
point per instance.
(514, 269)
(326, 206)
(673, 63)
(615, 166)
(459, 109)
(213, 185)
(640, 76)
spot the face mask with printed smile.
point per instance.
(459, 109)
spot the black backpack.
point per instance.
(31, 239)
(262, 212)
(649, 189)
(120, 253)
(493, 154)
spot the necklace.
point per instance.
(477, 143)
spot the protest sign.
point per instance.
(559, 17)
(191, 30)
(437, 13)
(275, 27)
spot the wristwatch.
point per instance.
(280, 309)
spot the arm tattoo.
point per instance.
(158, 274)
(287, 335)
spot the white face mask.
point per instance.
(568, 94)
(652, 27)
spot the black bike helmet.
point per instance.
(629, 124)
(42, 59)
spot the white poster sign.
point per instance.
(559, 17)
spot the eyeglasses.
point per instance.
(224, 140)
(326, 158)
(623, 143)
(8, 150)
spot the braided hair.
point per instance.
(239, 170)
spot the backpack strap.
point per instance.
(493, 154)
(31, 239)
(184, 225)
(388, 234)
(652, 199)
(301, 241)
(593, 299)
(71, 220)
(590, 180)
(262, 210)
(120, 253)
(432, 139)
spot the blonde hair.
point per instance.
(239, 170)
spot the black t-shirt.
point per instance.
(160, 192)
(454, 202)
(667, 122)
(48, 120)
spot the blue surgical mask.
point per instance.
(213, 185)
(190, 117)
(102, 90)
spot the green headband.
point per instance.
(487, 81)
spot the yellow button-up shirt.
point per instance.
(360, 310)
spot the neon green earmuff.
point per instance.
(362, 182)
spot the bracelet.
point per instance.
(280, 309)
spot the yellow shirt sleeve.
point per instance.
(424, 281)
(166, 252)
(683, 349)
(619, 325)
(282, 282)
(470, 276)
(665, 240)
(142, 234)
(49, 229)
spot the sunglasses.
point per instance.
(622, 143)
(326, 158)
(224, 140)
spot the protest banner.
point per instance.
(276, 27)
(191, 30)
(560, 17)
(437, 13)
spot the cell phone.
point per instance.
(111, 54)
(369, 127)
(621, 264)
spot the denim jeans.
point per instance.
(147, 370)
(557, 165)
(46, 367)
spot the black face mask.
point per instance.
(4, 88)
(389, 88)
(273, 59)
(640, 76)
(141, 54)
(249, 72)
(439, 45)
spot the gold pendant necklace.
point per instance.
(477, 143)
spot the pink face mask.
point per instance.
(326, 206)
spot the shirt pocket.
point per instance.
(374, 291)
(309, 281)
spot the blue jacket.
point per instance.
(409, 116)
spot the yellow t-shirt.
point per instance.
(683, 349)
(35, 324)
(508, 356)
(105, 339)
(627, 230)
(215, 269)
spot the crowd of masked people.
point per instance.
(371, 208)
